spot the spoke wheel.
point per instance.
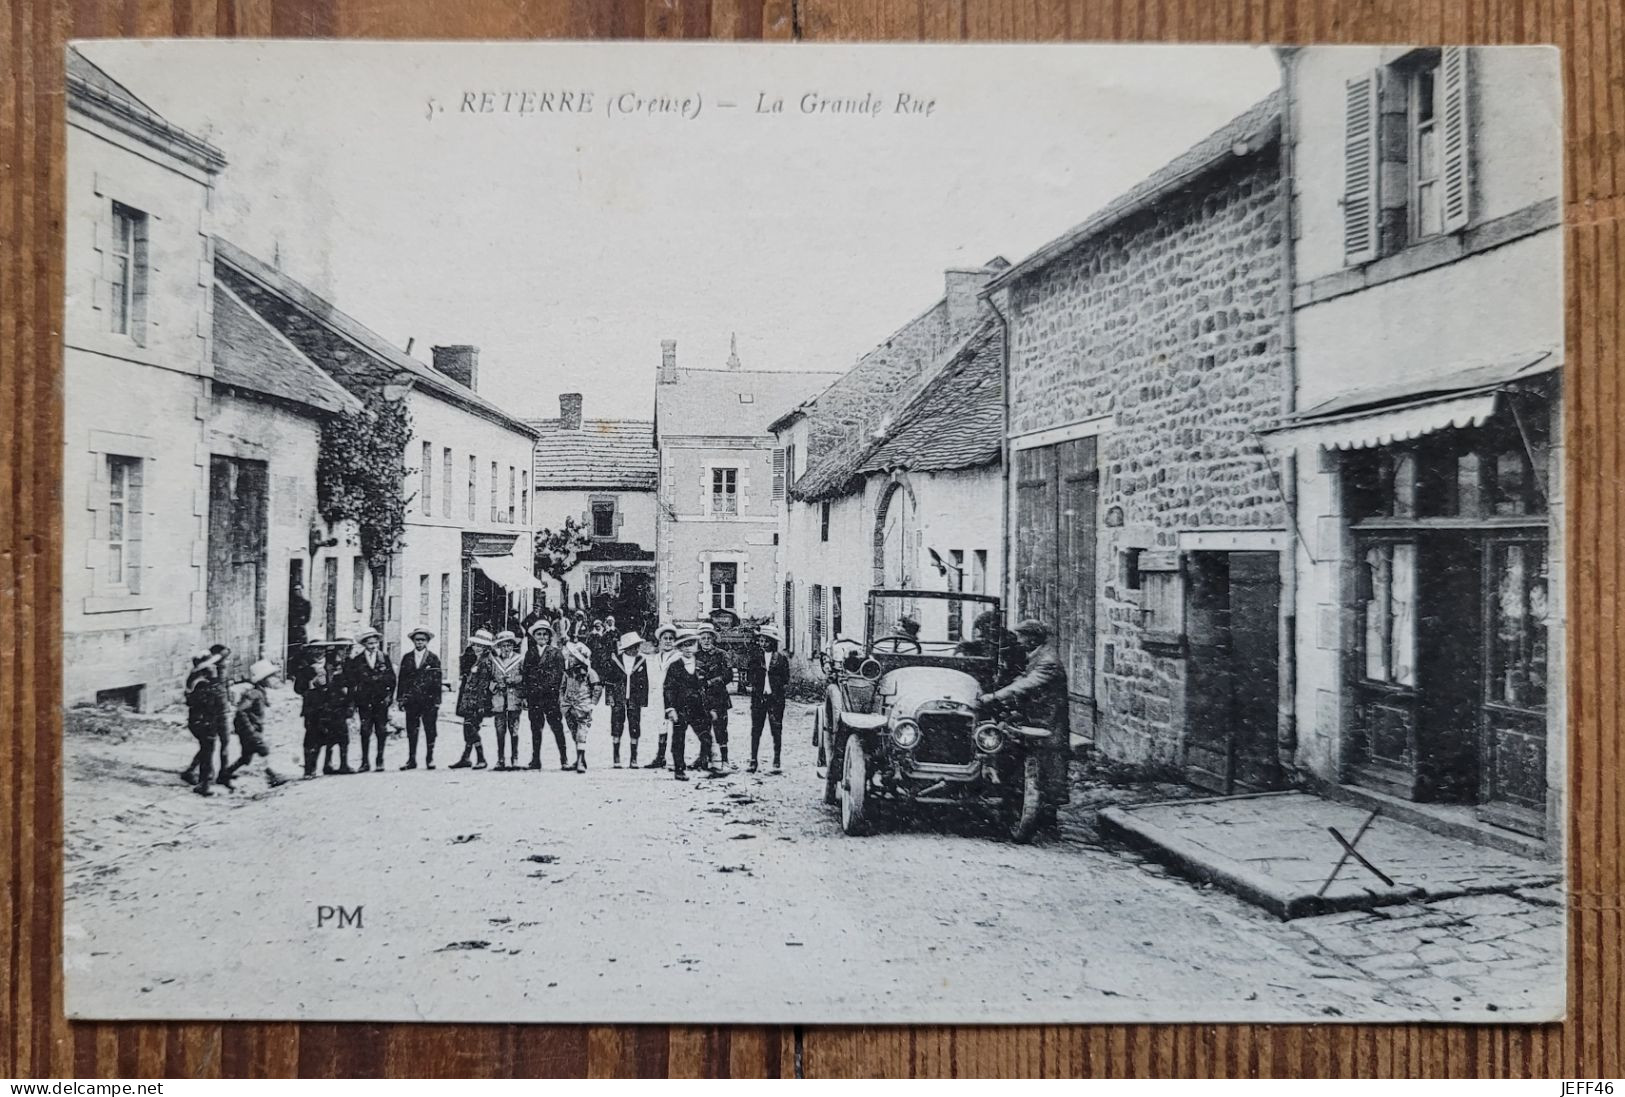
(854, 788)
(1026, 814)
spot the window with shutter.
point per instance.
(778, 475)
(1360, 169)
(1455, 173)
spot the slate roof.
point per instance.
(329, 336)
(710, 401)
(92, 85)
(250, 354)
(603, 453)
(952, 419)
(1253, 129)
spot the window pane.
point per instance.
(115, 562)
(1404, 486)
(115, 521)
(1511, 483)
(1378, 583)
(1402, 615)
(1518, 643)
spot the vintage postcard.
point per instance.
(635, 532)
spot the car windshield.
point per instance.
(898, 620)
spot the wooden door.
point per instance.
(1232, 621)
(1057, 488)
(1512, 737)
(235, 588)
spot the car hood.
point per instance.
(907, 688)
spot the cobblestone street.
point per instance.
(576, 897)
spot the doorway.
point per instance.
(235, 590)
(1232, 691)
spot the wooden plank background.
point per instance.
(37, 1040)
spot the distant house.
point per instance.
(916, 507)
(897, 474)
(603, 473)
(466, 562)
(137, 374)
(721, 485)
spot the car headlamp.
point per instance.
(989, 738)
(905, 733)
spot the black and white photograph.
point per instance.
(813, 534)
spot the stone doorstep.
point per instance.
(1283, 898)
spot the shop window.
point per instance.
(1518, 612)
(1387, 600)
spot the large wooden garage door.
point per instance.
(1057, 488)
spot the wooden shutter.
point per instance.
(1455, 175)
(778, 475)
(1361, 169)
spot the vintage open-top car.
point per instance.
(899, 721)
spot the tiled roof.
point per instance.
(1253, 129)
(296, 311)
(88, 80)
(953, 418)
(603, 453)
(250, 354)
(738, 403)
(957, 420)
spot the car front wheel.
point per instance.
(853, 789)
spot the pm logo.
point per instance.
(338, 918)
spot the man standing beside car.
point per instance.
(1039, 696)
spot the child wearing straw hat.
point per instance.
(626, 685)
(579, 695)
(473, 698)
(504, 668)
(417, 690)
(249, 720)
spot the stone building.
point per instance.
(1425, 440)
(466, 560)
(895, 461)
(1145, 350)
(137, 365)
(603, 473)
(721, 485)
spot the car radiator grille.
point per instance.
(945, 739)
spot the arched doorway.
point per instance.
(897, 537)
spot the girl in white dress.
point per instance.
(654, 713)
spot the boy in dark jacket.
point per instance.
(249, 720)
(767, 677)
(418, 690)
(716, 676)
(372, 685)
(626, 685)
(542, 677)
(205, 719)
(685, 706)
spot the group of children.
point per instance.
(213, 712)
(558, 680)
(557, 676)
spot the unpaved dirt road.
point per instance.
(623, 895)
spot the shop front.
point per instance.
(1449, 545)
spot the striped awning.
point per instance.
(1464, 398)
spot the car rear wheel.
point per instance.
(854, 788)
(1027, 814)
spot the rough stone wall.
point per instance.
(1171, 323)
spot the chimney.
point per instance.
(570, 410)
(668, 361)
(460, 363)
(733, 350)
(962, 303)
